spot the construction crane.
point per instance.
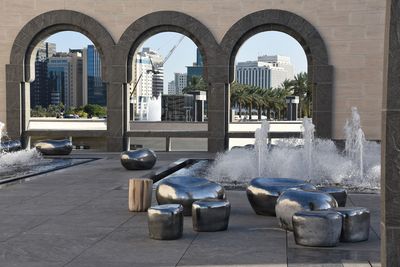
(154, 70)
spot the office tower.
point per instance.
(180, 82)
(196, 69)
(94, 90)
(266, 72)
(40, 95)
(171, 88)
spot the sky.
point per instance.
(270, 43)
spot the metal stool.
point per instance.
(356, 222)
(292, 201)
(340, 194)
(165, 221)
(317, 228)
(210, 215)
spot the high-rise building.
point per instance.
(196, 69)
(171, 88)
(65, 79)
(58, 70)
(40, 95)
(149, 76)
(76, 83)
(266, 72)
(180, 82)
(94, 90)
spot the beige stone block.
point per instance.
(347, 5)
(139, 197)
(367, 18)
(376, 4)
(349, 32)
(339, 46)
(366, 47)
(45, 5)
(351, 60)
(109, 7)
(14, 6)
(169, 5)
(319, 5)
(329, 18)
(375, 32)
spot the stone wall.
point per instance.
(353, 31)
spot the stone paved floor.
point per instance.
(78, 217)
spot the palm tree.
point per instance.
(302, 89)
(239, 96)
(196, 83)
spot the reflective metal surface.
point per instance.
(54, 147)
(317, 228)
(165, 222)
(10, 146)
(262, 193)
(142, 159)
(185, 190)
(292, 201)
(210, 215)
(340, 194)
(356, 223)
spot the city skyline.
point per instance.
(264, 43)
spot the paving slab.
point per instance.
(79, 217)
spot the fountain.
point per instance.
(261, 145)
(316, 160)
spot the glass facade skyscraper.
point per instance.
(96, 89)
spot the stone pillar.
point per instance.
(390, 175)
(322, 77)
(14, 77)
(217, 117)
(116, 110)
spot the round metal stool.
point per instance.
(356, 222)
(317, 228)
(165, 221)
(210, 215)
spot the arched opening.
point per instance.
(135, 35)
(68, 78)
(67, 86)
(168, 91)
(21, 72)
(319, 72)
(270, 83)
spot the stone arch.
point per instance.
(319, 70)
(19, 71)
(163, 21)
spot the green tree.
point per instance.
(95, 110)
(302, 89)
(196, 83)
(239, 96)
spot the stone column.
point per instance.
(390, 174)
(322, 78)
(116, 109)
(218, 94)
(14, 77)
